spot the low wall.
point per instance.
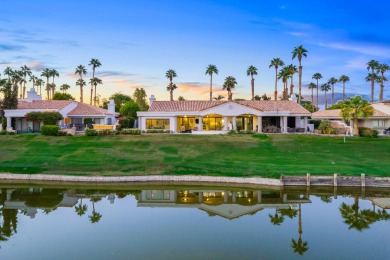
(103, 127)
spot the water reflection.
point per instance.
(227, 203)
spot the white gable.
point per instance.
(230, 109)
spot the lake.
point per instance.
(201, 221)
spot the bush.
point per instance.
(157, 131)
(107, 132)
(130, 131)
(90, 132)
(367, 132)
(246, 132)
(126, 122)
(3, 132)
(4, 123)
(88, 121)
(316, 123)
(51, 130)
(51, 118)
(325, 127)
(35, 117)
(232, 132)
(129, 109)
(62, 133)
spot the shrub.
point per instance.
(246, 132)
(325, 127)
(157, 131)
(62, 133)
(130, 131)
(51, 118)
(51, 130)
(232, 132)
(35, 117)
(88, 121)
(129, 109)
(126, 122)
(107, 132)
(3, 132)
(90, 132)
(367, 132)
(4, 123)
(316, 123)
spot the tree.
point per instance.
(332, 81)
(317, 76)
(276, 219)
(312, 86)
(344, 79)
(54, 73)
(81, 209)
(373, 66)
(62, 96)
(325, 87)
(95, 63)
(284, 75)
(95, 81)
(252, 70)
(276, 62)
(10, 96)
(181, 98)
(119, 100)
(299, 245)
(292, 70)
(39, 84)
(46, 73)
(64, 87)
(382, 68)
(129, 109)
(81, 70)
(220, 97)
(140, 98)
(354, 109)
(210, 70)
(33, 79)
(170, 74)
(95, 217)
(26, 71)
(8, 72)
(230, 83)
(299, 52)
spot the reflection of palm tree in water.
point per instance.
(81, 209)
(299, 246)
(9, 225)
(95, 217)
(276, 219)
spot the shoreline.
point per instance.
(302, 180)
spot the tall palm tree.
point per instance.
(229, 84)
(284, 75)
(373, 66)
(95, 63)
(80, 70)
(34, 80)
(332, 81)
(312, 86)
(39, 84)
(276, 63)
(54, 73)
(382, 68)
(344, 78)
(170, 74)
(299, 52)
(325, 87)
(8, 72)
(95, 81)
(64, 88)
(210, 70)
(252, 70)
(15, 78)
(22, 82)
(317, 76)
(26, 71)
(47, 73)
(354, 109)
(299, 245)
(292, 70)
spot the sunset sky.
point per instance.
(138, 41)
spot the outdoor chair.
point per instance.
(386, 131)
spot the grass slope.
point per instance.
(237, 155)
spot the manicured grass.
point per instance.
(223, 155)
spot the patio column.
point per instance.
(305, 123)
(259, 196)
(200, 197)
(260, 124)
(9, 122)
(200, 125)
(139, 121)
(234, 123)
(225, 196)
(225, 123)
(284, 124)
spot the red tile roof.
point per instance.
(335, 113)
(85, 109)
(44, 104)
(186, 106)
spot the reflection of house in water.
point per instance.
(384, 203)
(227, 204)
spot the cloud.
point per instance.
(299, 34)
(36, 65)
(10, 47)
(361, 48)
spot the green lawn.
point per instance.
(237, 155)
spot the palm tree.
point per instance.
(95, 81)
(299, 52)
(325, 87)
(47, 73)
(54, 73)
(220, 97)
(15, 78)
(344, 78)
(354, 109)
(81, 209)
(229, 84)
(64, 88)
(276, 62)
(373, 66)
(292, 70)
(81, 70)
(39, 84)
(312, 86)
(332, 81)
(276, 219)
(95, 63)
(170, 74)
(382, 68)
(33, 79)
(317, 76)
(95, 217)
(26, 71)
(299, 246)
(211, 69)
(284, 74)
(252, 70)
(22, 90)
(8, 72)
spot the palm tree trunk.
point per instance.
(291, 85)
(48, 91)
(253, 87)
(312, 101)
(343, 91)
(332, 94)
(24, 88)
(171, 91)
(372, 86)
(381, 93)
(276, 84)
(300, 83)
(94, 98)
(326, 101)
(81, 93)
(211, 87)
(317, 93)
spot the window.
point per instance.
(378, 123)
(187, 122)
(157, 124)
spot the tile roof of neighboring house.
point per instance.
(44, 104)
(335, 113)
(85, 109)
(182, 106)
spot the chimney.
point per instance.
(151, 99)
(32, 95)
(111, 107)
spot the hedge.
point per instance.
(51, 130)
(130, 131)
(367, 132)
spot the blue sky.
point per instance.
(138, 41)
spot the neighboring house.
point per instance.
(380, 120)
(222, 116)
(72, 111)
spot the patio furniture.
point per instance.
(387, 131)
(11, 130)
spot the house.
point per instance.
(379, 121)
(221, 116)
(73, 112)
